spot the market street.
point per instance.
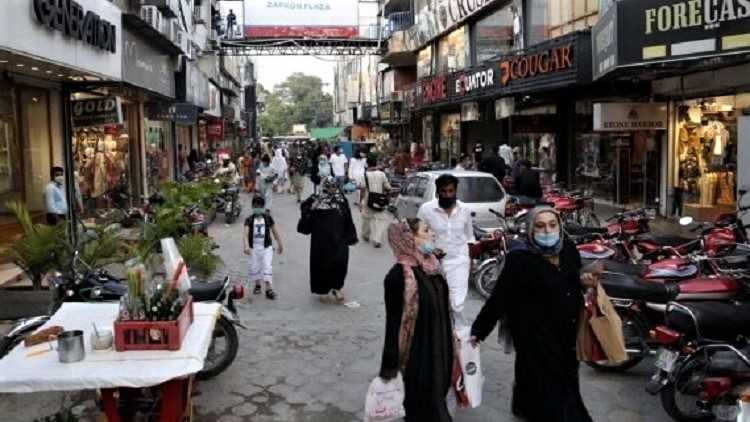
(301, 360)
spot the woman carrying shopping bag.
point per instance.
(419, 334)
(540, 292)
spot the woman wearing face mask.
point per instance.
(539, 293)
(326, 217)
(419, 333)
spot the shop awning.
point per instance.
(326, 132)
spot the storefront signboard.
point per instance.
(146, 67)
(474, 82)
(637, 32)
(554, 64)
(626, 117)
(215, 130)
(181, 113)
(80, 35)
(97, 112)
(432, 91)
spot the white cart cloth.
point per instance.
(20, 373)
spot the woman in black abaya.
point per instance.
(540, 292)
(326, 217)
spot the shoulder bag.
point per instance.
(375, 201)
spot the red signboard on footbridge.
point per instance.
(325, 19)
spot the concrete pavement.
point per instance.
(302, 360)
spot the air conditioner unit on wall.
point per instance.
(175, 30)
(152, 16)
(182, 41)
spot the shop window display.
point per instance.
(499, 32)
(102, 157)
(450, 136)
(157, 156)
(706, 157)
(453, 51)
(424, 62)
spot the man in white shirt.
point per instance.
(374, 222)
(338, 165)
(506, 153)
(452, 224)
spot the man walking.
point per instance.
(297, 173)
(338, 165)
(54, 197)
(452, 224)
(374, 222)
(494, 164)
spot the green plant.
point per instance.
(100, 246)
(40, 250)
(199, 256)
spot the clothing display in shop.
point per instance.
(726, 182)
(707, 187)
(101, 160)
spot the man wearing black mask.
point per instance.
(452, 225)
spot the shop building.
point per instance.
(41, 58)
(698, 69)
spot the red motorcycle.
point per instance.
(640, 300)
(488, 257)
(574, 207)
(704, 361)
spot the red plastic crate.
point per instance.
(154, 335)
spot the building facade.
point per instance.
(570, 84)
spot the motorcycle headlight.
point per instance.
(96, 293)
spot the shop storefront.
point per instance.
(152, 75)
(706, 88)
(37, 62)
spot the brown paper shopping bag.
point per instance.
(607, 327)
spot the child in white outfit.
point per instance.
(256, 239)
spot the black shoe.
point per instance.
(377, 245)
(270, 294)
(257, 290)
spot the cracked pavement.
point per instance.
(303, 360)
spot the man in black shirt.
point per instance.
(494, 164)
(527, 182)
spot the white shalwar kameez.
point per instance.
(453, 233)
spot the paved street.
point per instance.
(301, 360)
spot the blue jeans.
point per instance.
(341, 181)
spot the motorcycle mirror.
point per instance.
(686, 221)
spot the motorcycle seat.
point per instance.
(624, 286)
(635, 270)
(665, 240)
(716, 320)
(206, 292)
(574, 230)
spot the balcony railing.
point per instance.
(399, 21)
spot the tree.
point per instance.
(298, 100)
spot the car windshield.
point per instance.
(479, 189)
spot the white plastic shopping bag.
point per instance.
(172, 261)
(471, 367)
(385, 400)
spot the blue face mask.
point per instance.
(547, 240)
(427, 248)
(258, 211)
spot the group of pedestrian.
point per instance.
(539, 295)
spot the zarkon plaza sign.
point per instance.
(69, 17)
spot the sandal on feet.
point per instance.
(271, 294)
(338, 297)
(257, 290)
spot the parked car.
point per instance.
(478, 191)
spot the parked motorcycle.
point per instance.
(704, 362)
(99, 286)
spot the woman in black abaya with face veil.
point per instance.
(327, 218)
(540, 293)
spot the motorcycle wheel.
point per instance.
(683, 406)
(486, 277)
(635, 333)
(230, 217)
(219, 358)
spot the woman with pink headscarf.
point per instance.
(419, 333)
